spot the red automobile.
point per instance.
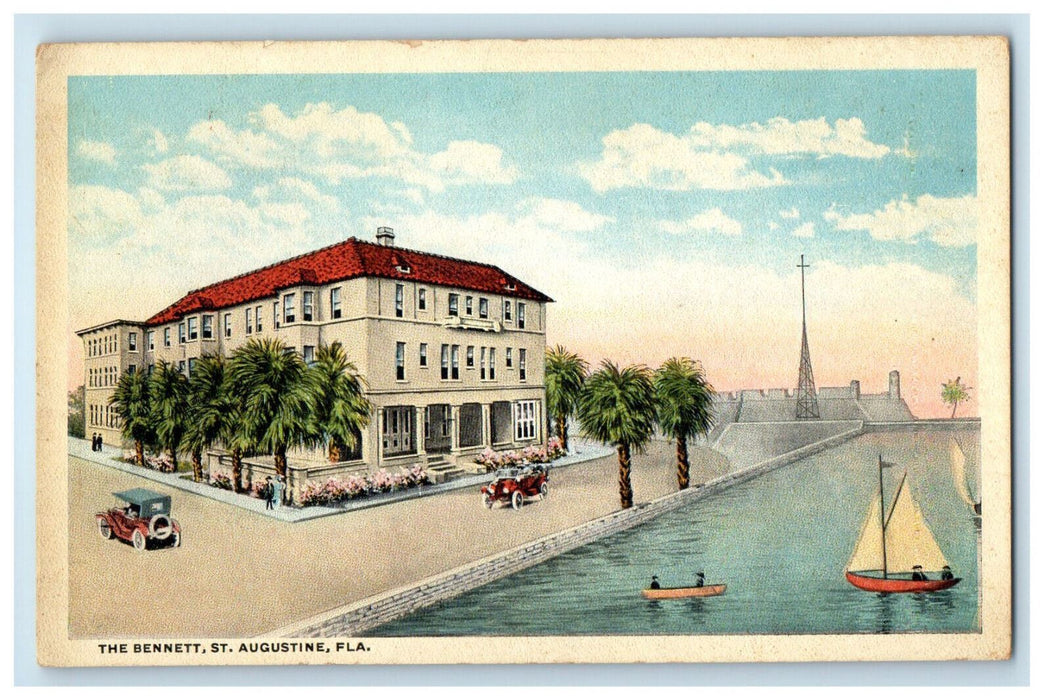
(145, 520)
(514, 484)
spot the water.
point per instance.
(780, 542)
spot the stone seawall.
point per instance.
(356, 618)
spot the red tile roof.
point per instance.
(343, 261)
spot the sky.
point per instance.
(664, 212)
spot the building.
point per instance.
(451, 351)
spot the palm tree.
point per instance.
(953, 393)
(267, 376)
(168, 391)
(339, 408)
(684, 407)
(564, 375)
(210, 409)
(619, 407)
(131, 401)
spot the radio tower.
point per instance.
(806, 392)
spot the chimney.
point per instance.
(855, 389)
(385, 235)
(894, 385)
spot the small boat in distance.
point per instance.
(687, 592)
(897, 553)
(959, 477)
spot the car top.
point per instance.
(148, 502)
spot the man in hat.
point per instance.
(700, 579)
(917, 573)
(947, 573)
(268, 494)
(655, 583)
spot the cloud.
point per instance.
(710, 221)
(186, 173)
(347, 144)
(97, 212)
(792, 213)
(562, 214)
(947, 221)
(804, 231)
(159, 142)
(98, 151)
(716, 156)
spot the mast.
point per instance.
(882, 522)
(806, 391)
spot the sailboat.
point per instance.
(959, 477)
(896, 551)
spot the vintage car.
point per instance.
(145, 520)
(514, 484)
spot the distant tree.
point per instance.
(209, 409)
(564, 375)
(684, 407)
(953, 393)
(76, 420)
(339, 409)
(168, 407)
(618, 407)
(268, 377)
(131, 401)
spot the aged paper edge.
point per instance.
(988, 56)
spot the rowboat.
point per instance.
(897, 552)
(687, 592)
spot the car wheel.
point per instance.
(160, 526)
(516, 500)
(543, 490)
(487, 502)
(104, 529)
(176, 539)
(138, 540)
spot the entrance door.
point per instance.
(437, 428)
(398, 431)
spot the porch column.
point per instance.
(542, 420)
(487, 425)
(454, 430)
(372, 440)
(421, 436)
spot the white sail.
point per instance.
(868, 552)
(909, 540)
(959, 474)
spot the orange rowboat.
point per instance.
(691, 592)
(875, 583)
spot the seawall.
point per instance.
(358, 617)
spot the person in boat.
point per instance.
(700, 579)
(947, 573)
(655, 584)
(917, 573)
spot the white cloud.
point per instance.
(804, 231)
(98, 151)
(948, 221)
(469, 161)
(186, 173)
(562, 214)
(159, 142)
(97, 212)
(231, 147)
(792, 213)
(780, 136)
(709, 221)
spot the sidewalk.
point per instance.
(581, 451)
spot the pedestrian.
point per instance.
(268, 494)
(279, 487)
(700, 579)
(94, 441)
(654, 583)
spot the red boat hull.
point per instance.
(878, 584)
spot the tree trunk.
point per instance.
(563, 432)
(684, 462)
(174, 456)
(235, 475)
(624, 458)
(281, 467)
(954, 405)
(333, 451)
(198, 468)
(140, 458)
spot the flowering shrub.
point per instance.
(319, 493)
(555, 448)
(161, 463)
(222, 481)
(532, 454)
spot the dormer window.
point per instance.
(400, 265)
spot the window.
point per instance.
(521, 314)
(481, 360)
(191, 325)
(133, 342)
(456, 362)
(423, 354)
(521, 364)
(468, 305)
(470, 356)
(445, 361)
(399, 300)
(149, 369)
(259, 319)
(182, 332)
(454, 304)
(422, 297)
(206, 326)
(510, 362)
(182, 366)
(167, 337)
(150, 339)
(507, 310)
(248, 320)
(483, 308)
(227, 330)
(399, 361)
(277, 315)
(290, 308)
(308, 306)
(335, 302)
(308, 354)
(492, 363)
(525, 420)
(193, 363)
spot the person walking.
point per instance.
(268, 493)
(278, 487)
(94, 441)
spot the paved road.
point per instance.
(240, 574)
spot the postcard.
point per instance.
(669, 350)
